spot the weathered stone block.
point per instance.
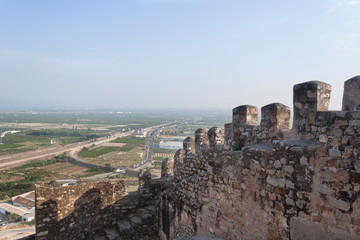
(342, 176)
(275, 114)
(340, 204)
(342, 234)
(124, 224)
(228, 135)
(351, 97)
(216, 137)
(245, 115)
(301, 229)
(201, 139)
(189, 145)
(167, 167)
(325, 190)
(310, 97)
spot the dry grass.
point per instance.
(123, 159)
(17, 226)
(132, 188)
(63, 168)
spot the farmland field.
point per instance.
(118, 158)
(67, 169)
(49, 132)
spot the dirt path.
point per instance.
(16, 233)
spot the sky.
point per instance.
(173, 53)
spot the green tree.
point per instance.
(108, 167)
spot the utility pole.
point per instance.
(0, 136)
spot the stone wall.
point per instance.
(98, 210)
(268, 181)
(243, 181)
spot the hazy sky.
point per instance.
(173, 53)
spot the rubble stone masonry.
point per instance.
(243, 181)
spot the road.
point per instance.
(15, 159)
(103, 175)
(16, 233)
(149, 146)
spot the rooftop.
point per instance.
(13, 209)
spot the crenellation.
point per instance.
(189, 145)
(245, 115)
(216, 138)
(309, 98)
(275, 115)
(278, 183)
(228, 136)
(306, 183)
(178, 165)
(167, 168)
(201, 140)
(351, 97)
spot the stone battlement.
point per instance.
(299, 183)
(256, 181)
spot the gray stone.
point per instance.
(351, 97)
(301, 229)
(135, 219)
(289, 184)
(340, 204)
(304, 161)
(40, 234)
(283, 161)
(289, 169)
(112, 233)
(325, 190)
(290, 202)
(277, 164)
(357, 165)
(245, 115)
(343, 235)
(275, 114)
(334, 152)
(276, 182)
(337, 132)
(342, 217)
(323, 138)
(124, 224)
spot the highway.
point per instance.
(19, 158)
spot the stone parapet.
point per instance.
(241, 182)
(351, 97)
(309, 98)
(275, 115)
(201, 140)
(245, 115)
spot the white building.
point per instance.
(26, 215)
(170, 145)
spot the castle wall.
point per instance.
(243, 181)
(302, 183)
(101, 210)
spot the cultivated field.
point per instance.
(125, 156)
(66, 169)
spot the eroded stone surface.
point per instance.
(351, 97)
